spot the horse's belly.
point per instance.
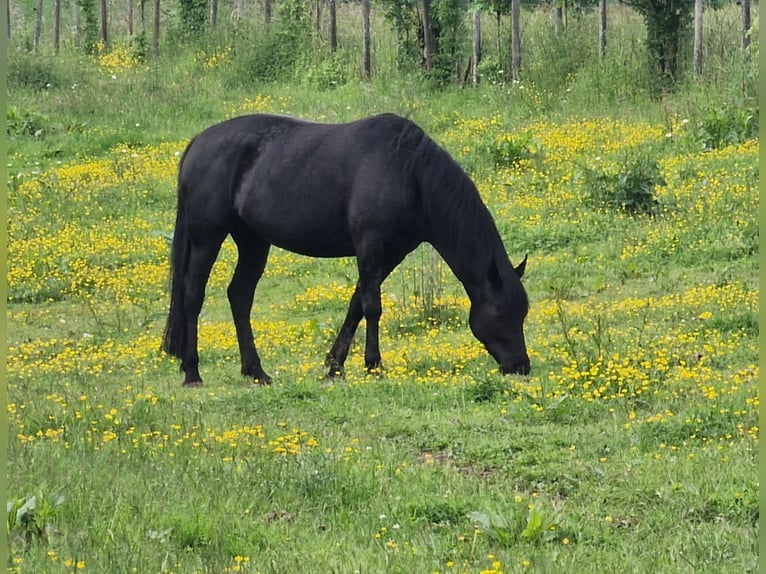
(307, 236)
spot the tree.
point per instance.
(697, 38)
(130, 18)
(602, 28)
(38, 25)
(516, 39)
(333, 32)
(77, 25)
(89, 25)
(476, 45)
(666, 23)
(428, 37)
(213, 13)
(366, 64)
(193, 15)
(56, 25)
(102, 11)
(558, 17)
(156, 34)
(745, 28)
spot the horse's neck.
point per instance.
(469, 250)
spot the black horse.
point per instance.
(375, 189)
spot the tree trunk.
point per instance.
(104, 37)
(267, 11)
(398, 32)
(366, 63)
(558, 19)
(38, 25)
(746, 25)
(156, 34)
(499, 36)
(516, 39)
(476, 47)
(213, 13)
(602, 28)
(333, 27)
(8, 18)
(130, 18)
(77, 25)
(240, 9)
(56, 26)
(697, 38)
(428, 37)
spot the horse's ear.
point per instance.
(521, 267)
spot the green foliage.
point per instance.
(88, 13)
(140, 46)
(561, 57)
(32, 517)
(510, 151)
(23, 123)
(274, 55)
(630, 188)
(539, 524)
(327, 74)
(491, 70)
(441, 512)
(294, 16)
(193, 15)
(450, 38)
(448, 29)
(485, 390)
(667, 24)
(725, 125)
(34, 73)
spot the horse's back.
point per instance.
(309, 187)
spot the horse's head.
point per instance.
(498, 310)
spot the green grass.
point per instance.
(632, 445)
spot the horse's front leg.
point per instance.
(336, 358)
(372, 309)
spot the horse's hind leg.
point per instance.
(253, 253)
(201, 260)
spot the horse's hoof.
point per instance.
(333, 374)
(192, 384)
(262, 380)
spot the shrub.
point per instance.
(34, 73)
(725, 125)
(510, 151)
(24, 123)
(273, 57)
(631, 188)
(327, 74)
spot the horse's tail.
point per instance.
(174, 339)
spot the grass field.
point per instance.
(631, 447)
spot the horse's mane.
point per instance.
(457, 212)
